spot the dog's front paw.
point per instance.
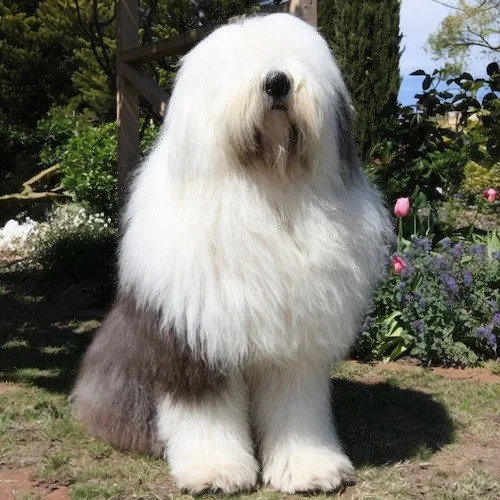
(223, 474)
(308, 469)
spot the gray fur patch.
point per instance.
(350, 164)
(127, 369)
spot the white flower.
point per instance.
(13, 235)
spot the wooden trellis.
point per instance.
(132, 80)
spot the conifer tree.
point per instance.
(34, 74)
(364, 37)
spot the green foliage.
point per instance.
(183, 15)
(423, 149)
(478, 178)
(394, 340)
(88, 162)
(443, 308)
(34, 74)
(95, 53)
(364, 37)
(54, 131)
(90, 40)
(471, 24)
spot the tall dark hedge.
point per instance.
(364, 37)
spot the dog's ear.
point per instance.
(350, 164)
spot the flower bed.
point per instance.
(439, 303)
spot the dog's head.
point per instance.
(263, 94)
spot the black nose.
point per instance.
(277, 84)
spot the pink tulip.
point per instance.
(398, 264)
(402, 207)
(377, 161)
(490, 194)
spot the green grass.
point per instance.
(390, 426)
(493, 366)
(410, 433)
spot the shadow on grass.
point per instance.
(40, 344)
(379, 423)
(382, 424)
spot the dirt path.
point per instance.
(15, 483)
(7, 387)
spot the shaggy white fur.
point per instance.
(298, 444)
(208, 442)
(252, 231)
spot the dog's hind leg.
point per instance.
(207, 439)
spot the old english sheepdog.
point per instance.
(252, 243)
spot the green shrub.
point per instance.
(423, 150)
(54, 132)
(443, 308)
(88, 162)
(477, 178)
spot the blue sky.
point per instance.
(420, 18)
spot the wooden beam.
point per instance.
(305, 9)
(176, 45)
(127, 97)
(146, 86)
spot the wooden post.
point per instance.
(127, 97)
(306, 10)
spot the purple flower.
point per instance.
(418, 326)
(485, 331)
(468, 278)
(450, 283)
(440, 263)
(446, 242)
(496, 255)
(457, 251)
(367, 323)
(479, 250)
(401, 285)
(408, 297)
(482, 331)
(496, 319)
(422, 244)
(420, 300)
(409, 270)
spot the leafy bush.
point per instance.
(54, 131)
(443, 308)
(88, 162)
(478, 178)
(73, 246)
(424, 150)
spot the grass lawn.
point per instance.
(411, 432)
